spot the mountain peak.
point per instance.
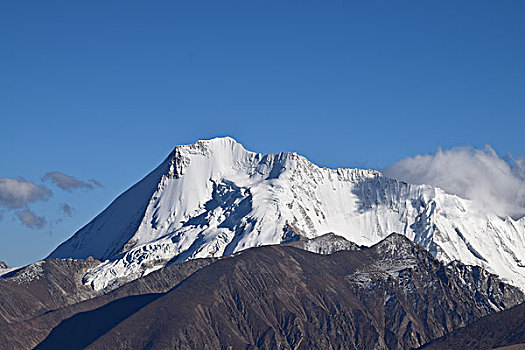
(398, 247)
(220, 153)
(214, 198)
(226, 142)
(395, 240)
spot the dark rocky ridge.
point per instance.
(34, 324)
(502, 330)
(393, 295)
(45, 285)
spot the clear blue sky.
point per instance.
(105, 89)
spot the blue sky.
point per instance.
(105, 89)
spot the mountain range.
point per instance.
(220, 247)
(393, 295)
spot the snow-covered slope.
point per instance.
(215, 198)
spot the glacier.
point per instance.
(215, 198)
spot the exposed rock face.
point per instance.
(3, 265)
(393, 295)
(485, 286)
(503, 330)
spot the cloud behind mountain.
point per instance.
(495, 183)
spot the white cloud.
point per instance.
(18, 193)
(481, 175)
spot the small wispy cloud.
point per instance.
(68, 182)
(30, 219)
(96, 183)
(18, 193)
(67, 209)
(495, 183)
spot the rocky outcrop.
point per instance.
(486, 288)
(325, 244)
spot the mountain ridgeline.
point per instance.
(215, 198)
(393, 295)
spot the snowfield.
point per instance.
(215, 198)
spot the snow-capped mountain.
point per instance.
(215, 198)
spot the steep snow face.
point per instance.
(215, 198)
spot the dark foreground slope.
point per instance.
(391, 296)
(43, 286)
(38, 305)
(502, 329)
